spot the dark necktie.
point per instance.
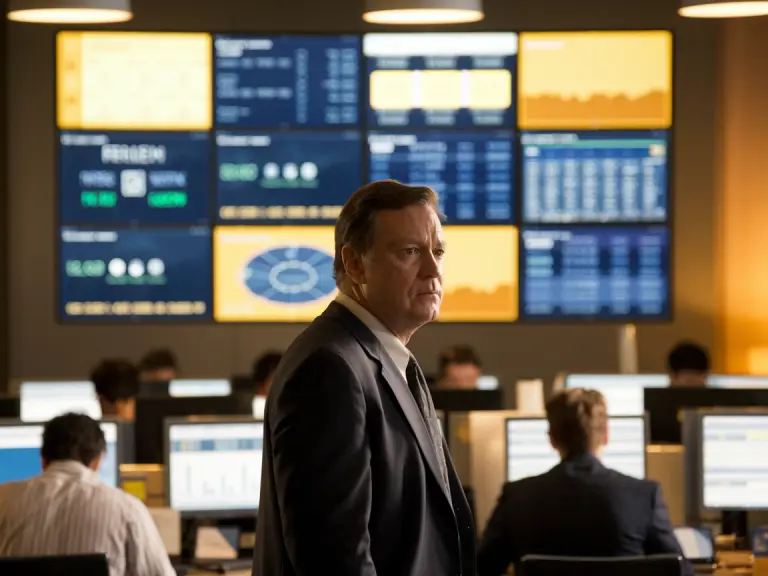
(418, 386)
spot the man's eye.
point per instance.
(411, 251)
(440, 252)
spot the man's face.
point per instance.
(401, 276)
(159, 375)
(461, 376)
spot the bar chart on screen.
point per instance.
(215, 466)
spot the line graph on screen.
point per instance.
(480, 275)
(594, 80)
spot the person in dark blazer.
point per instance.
(357, 479)
(580, 507)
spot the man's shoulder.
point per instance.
(630, 483)
(323, 338)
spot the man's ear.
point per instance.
(353, 265)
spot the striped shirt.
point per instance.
(68, 510)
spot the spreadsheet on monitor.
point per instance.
(735, 461)
(215, 466)
(623, 392)
(42, 401)
(529, 452)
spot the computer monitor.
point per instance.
(152, 412)
(10, 408)
(186, 388)
(734, 460)
(666, 405)
(742, 381)
(488, 382)
(623, 392)
(213, 466)
(20, 445)
(529, 452)
(42, 401)
(453, 400)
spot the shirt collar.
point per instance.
(70, 468)
(397, 351)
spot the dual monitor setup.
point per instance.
(39, 401)
(200, 175)
(729, 460)
(212, 466)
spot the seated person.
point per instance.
(68, 510)
(580, 507)
(158, 365)
(688, 365)
(263, 370)
(459, 367)
(117, 385)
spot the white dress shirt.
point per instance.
(68, 510)
(393, 346)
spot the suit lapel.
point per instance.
(397, 387)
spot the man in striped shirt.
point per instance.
(67, 510)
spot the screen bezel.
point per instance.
(519, 225)
(507, 421)
(700, 416)
(168, 423)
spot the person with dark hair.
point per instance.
(580, 507)
(117, 385)
(459, 367)
(357, 475)
(264, 369)
(68, 510)
(158, 365)
(688, 365)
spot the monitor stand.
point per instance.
(735, 522)
(627, 348)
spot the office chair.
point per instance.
(86, 565)
(661, 565)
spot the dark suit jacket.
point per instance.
(579, 508)
(350, 480)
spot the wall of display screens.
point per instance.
(199, 175)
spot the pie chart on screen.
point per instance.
(291, 275)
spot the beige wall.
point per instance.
(743, 197)
(41, 348)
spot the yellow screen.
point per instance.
(134, 81)
(480, 283)
(595, 80)
(441, 89)
(240, 251)
(480, 276)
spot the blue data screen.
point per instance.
(134, 177)
(608, 273)
(441, 80)
(135, 274)
(287, 177)
(271, 81)
(20, 454)
(470, 171)
(599, 176)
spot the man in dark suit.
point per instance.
(580, 507)
(356, 478)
